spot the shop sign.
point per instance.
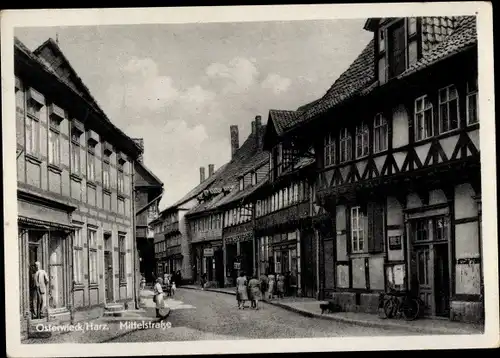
(208, 252)
(237, 265)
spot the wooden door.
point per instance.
(424, 272)
(108, 268)
(441, 280)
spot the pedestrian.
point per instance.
(41, 280)
(241, 290)
(280, 285)
(178, 280)
(264, 283)
(271, 287)
(203, 280)
(143, 282)
(173, 287)
(254, 290)
(158, 297)
(293, 283)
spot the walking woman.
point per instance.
(280, 285)
(158, 297)
(241, 290)
(254, 290)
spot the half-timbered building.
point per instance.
(75, 172)
(212, 217)
(396, 139)
(286, 240)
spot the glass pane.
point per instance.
(453, 114)
(443, 114)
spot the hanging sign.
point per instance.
(208, 252)
(237, 265)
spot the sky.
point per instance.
(180, 86)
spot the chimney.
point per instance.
(235, 140)
(253, 127)
(202, 174)
(140, 144)
(210, 170)
(258, 131)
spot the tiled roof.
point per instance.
(444, 37)
(283, 119)
(90, 101)
(197, 189)
(247, 157)
(359, 74)
(464, 35)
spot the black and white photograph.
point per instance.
(249, 179)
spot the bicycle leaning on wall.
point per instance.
(401, 303)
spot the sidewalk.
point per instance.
(102, 329)
(309, 307)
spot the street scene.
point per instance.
(259, 180)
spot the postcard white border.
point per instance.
(81, 17)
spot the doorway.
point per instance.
(108, 268)
(430, 264)
(219, 267)
(308, 265)
(57, 274)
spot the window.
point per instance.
(345, 145)
(92, 246)
(91, 162)
(75, 151)
(396, 49)
(120, 177)
(358, 229)
(33, 128)
(329, 155)
(78, 257)
(254, 178)
(448, 109)
(105, 172)
(420, 230)
(242, 184)
(362, 137)
(54, 147)
(121, 262)
(441, 228)
(380, 134)
(471, 102)
(424, 118)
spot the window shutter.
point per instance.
(375, 227)
(348, 236)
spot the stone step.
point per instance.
(114, 307)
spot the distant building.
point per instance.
(75, 173)
(210, 218)
(148, 193)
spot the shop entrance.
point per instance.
(430, 264)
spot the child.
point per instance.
(172, 289)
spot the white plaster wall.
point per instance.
(466, 240)
(376, 272)
(358, 273)
(465, 205)
(413, 201)
(437, 197)
(468, 279)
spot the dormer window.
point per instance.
(254, 178)
(397, 47)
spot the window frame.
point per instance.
(91, 162)
(447, 104)
(78, 265)
(358, 243)
(345, 144)
(122, 252)
(425, 99)
(329, 150)
(468, 94)
(363, 135)
(92, 256)
(76, 168)
(379, 127)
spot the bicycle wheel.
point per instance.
(411, 309)
(390, 308)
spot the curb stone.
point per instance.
(385, 324)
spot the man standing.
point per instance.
(41, 280)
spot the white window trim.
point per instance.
(330, 148)
(361, 130)
(347, 141)
(467, 97)
(423, 98)
(359, 229)
(440, 126)
(383, 123)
